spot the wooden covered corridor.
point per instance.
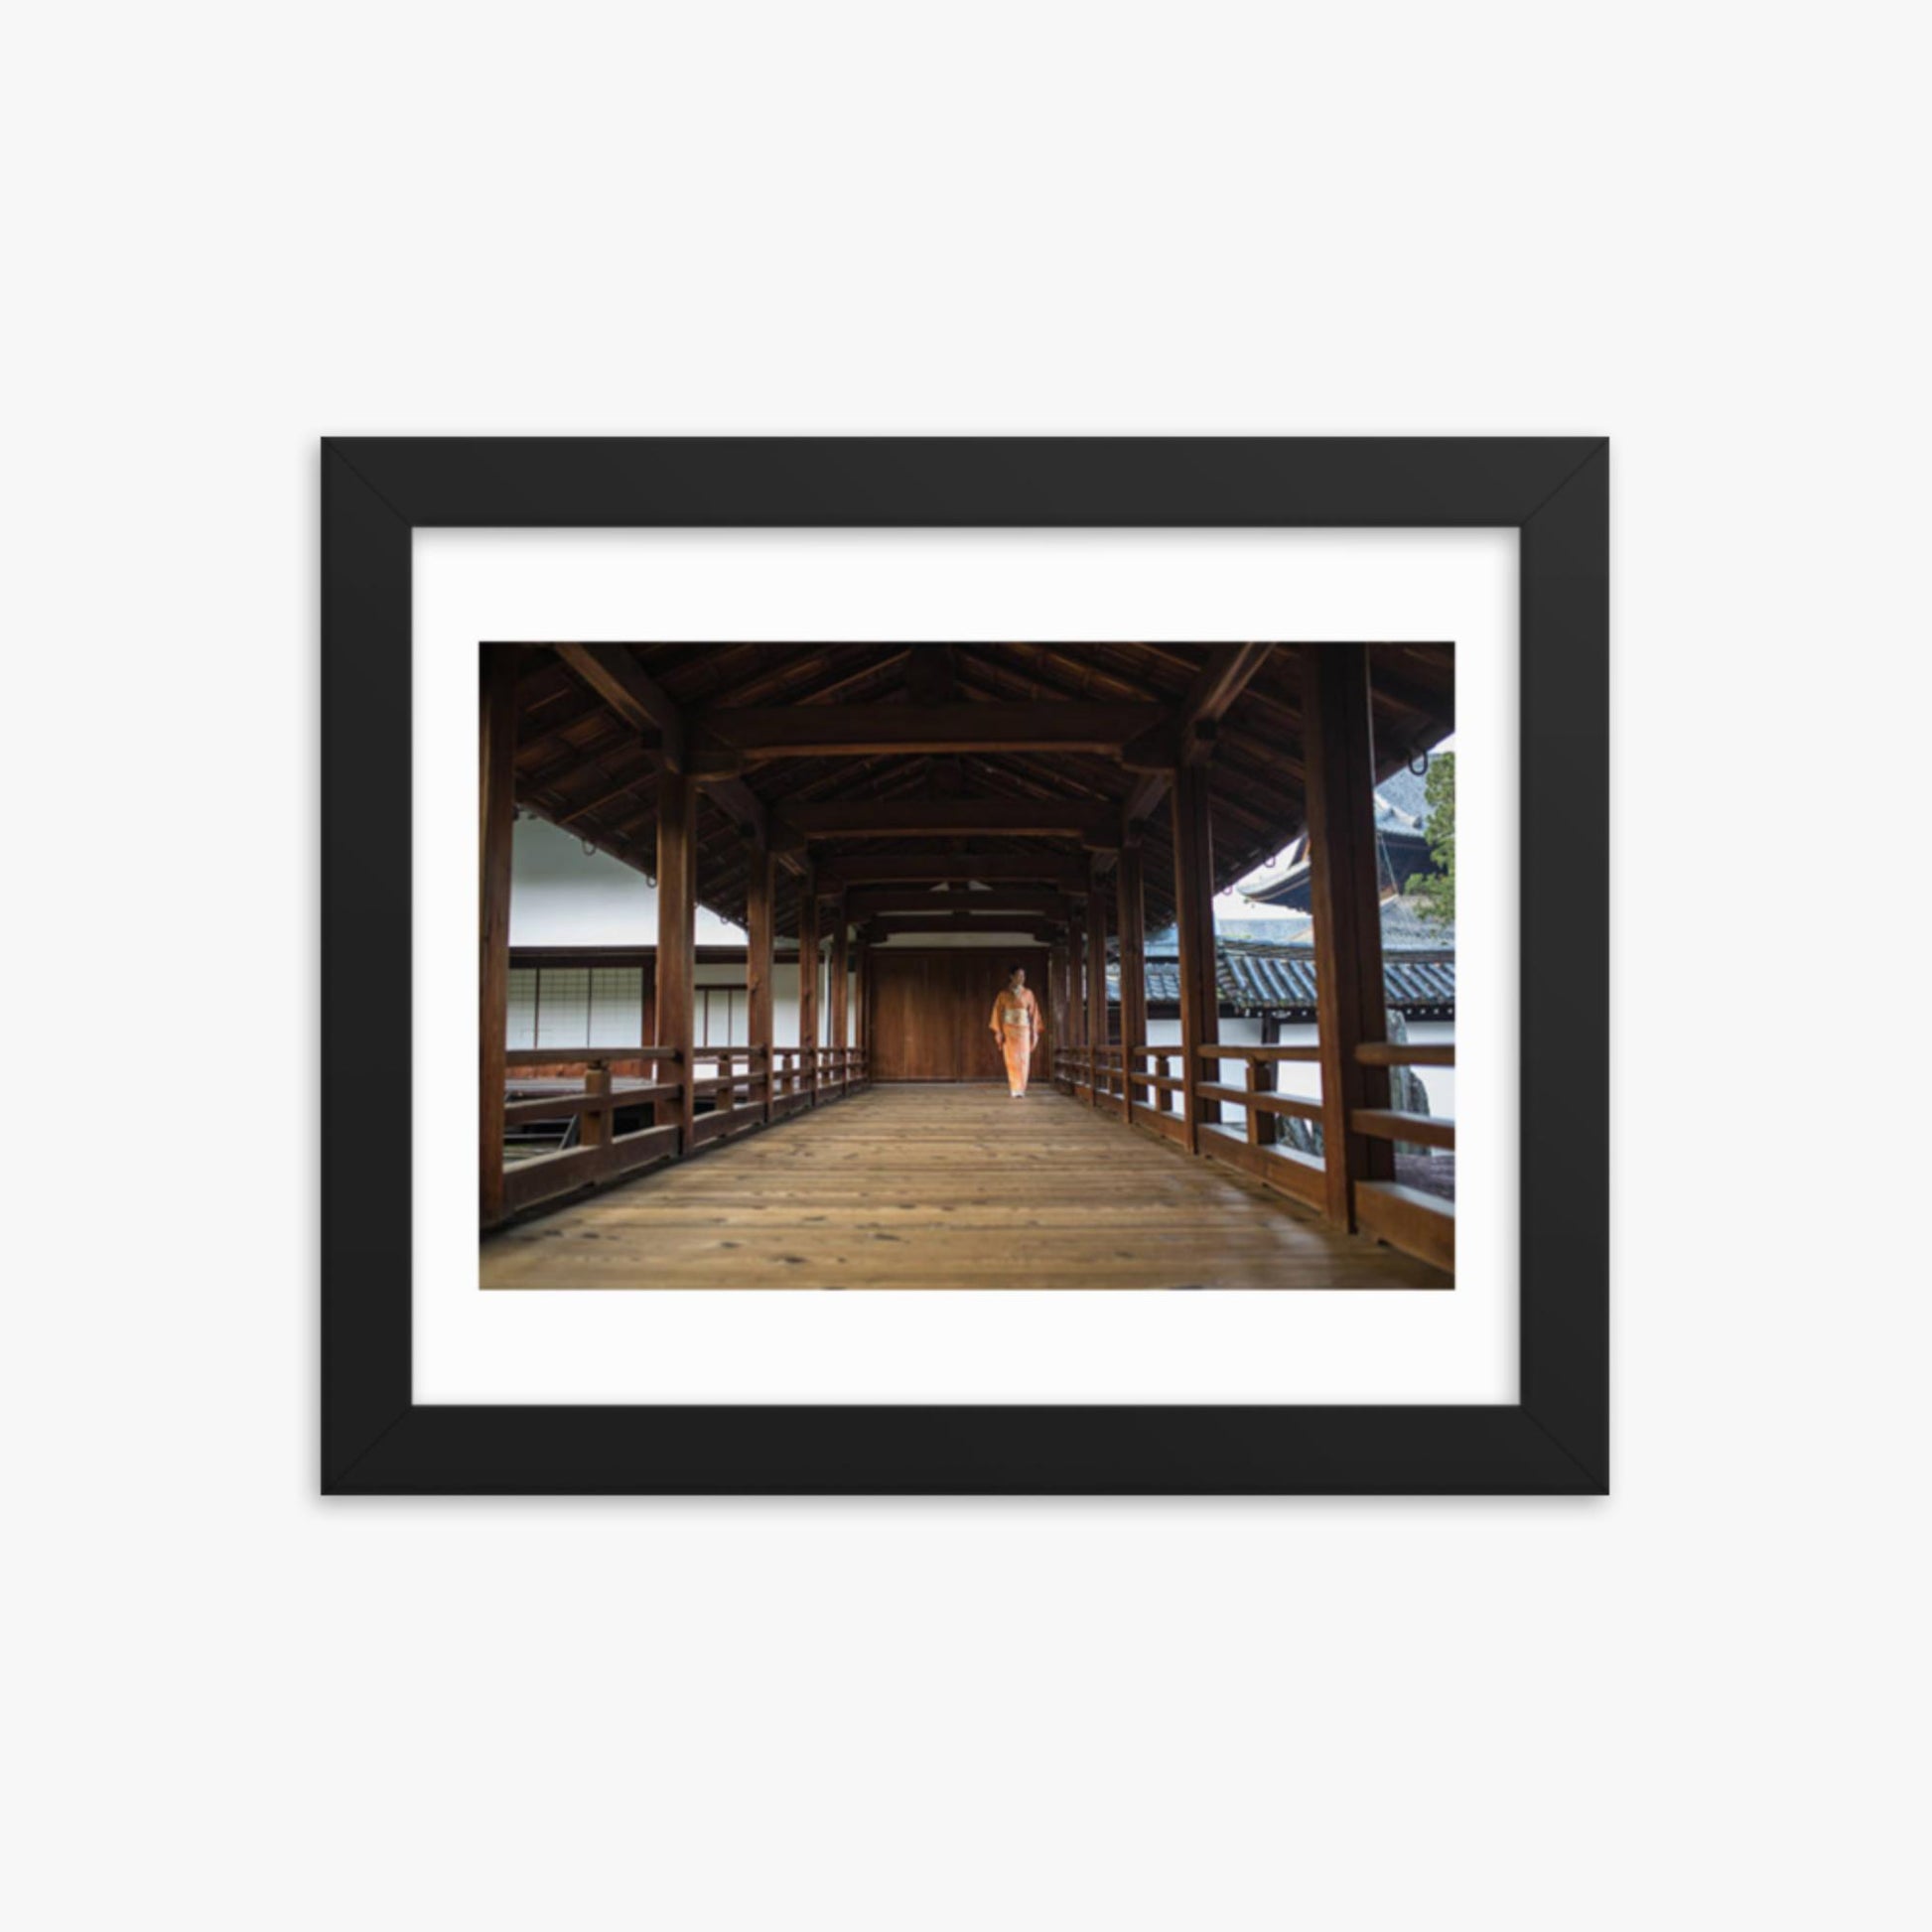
(944, 1187)
(1055, 796)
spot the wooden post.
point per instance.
(498, 792)
(1268, 1126)
(758, 968)
(1131, 918)
(1055, 1008)
(808, 984)
(1097, 980)
(839, 994)
(861, 1015)
(1076, 979)
(1194, 894)
(1345, 900)
(677, 934)
(594, 1128)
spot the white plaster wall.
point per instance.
(563, 896)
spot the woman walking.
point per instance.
(1016, 1025)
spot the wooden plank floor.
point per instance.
(943, 1186)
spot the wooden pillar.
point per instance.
(1097, 980)
(1076, 980)
(1056, 1016)
(498, 792)
(1345, 900)
(1265, 1130)
(861, 1001)
(1193, 896)
(808, 984)
(757, 969)
(839, 994)
(1131, 916)
(677, 936)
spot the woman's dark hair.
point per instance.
(1016, 967)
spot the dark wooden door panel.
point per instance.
(929, 1012)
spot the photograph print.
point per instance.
(929, 966)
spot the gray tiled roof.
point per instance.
(1401, 800)
(1404, 929)
(1257, 978)
(1402, 839)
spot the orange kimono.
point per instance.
(1016, 1025)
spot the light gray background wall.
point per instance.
(1698, 1704)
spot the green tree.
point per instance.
(1437, 889)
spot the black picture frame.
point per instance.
(1555, 1441)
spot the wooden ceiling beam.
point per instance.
(828, 674)
(638, 698)
(929, 674)
(593, 807)
(1229, 670)
(906, 866)
(957, 921)
(899, 818)
(877, 730)
(881, 929)
(740, 803)
(1004, 900)
(557, 733)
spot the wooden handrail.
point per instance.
(1267, 1103)
(1418, 1130)
(1223, 1050)
(588, 1055)
(560, 1106)
(1397, 1052)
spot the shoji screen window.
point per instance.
(563, 1005)
(566, 1008)
(617, 1006)
(723, 1018)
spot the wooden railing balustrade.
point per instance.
(1406, 1218)
(1119, 1079)
(747, 1087)
(1096, 1075)
(602, 1154)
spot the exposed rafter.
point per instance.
(638, 699)
(1227, 674)
(593, 766)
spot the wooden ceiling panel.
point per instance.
(591, 769)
